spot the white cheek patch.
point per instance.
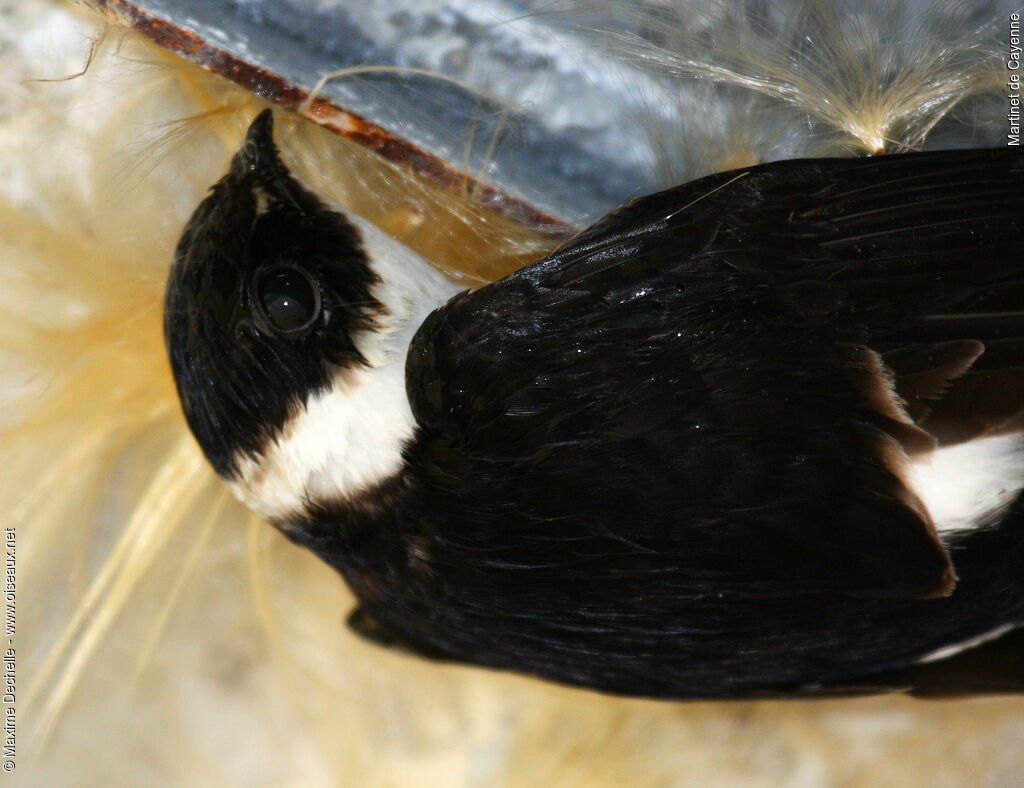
(348, 439)
(410, 288)
(964, 486)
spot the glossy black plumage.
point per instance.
(647, 463)
(237, 382)
(668, 460)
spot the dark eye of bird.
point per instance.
(288, 298)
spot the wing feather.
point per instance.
(748, 361)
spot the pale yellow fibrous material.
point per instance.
(165, 636)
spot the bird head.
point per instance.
(286, 325)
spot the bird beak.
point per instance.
(258, 152)
(258, 159)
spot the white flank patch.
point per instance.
(350, 437)
(963, 486)
(948, 651)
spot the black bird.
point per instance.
(757, 434)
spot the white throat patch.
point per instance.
(350, 437)
(347, 439)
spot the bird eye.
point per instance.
(289, 299)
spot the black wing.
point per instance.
(996, 667)
(992, 668)
(727, 378)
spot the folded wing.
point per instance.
(751, 362)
